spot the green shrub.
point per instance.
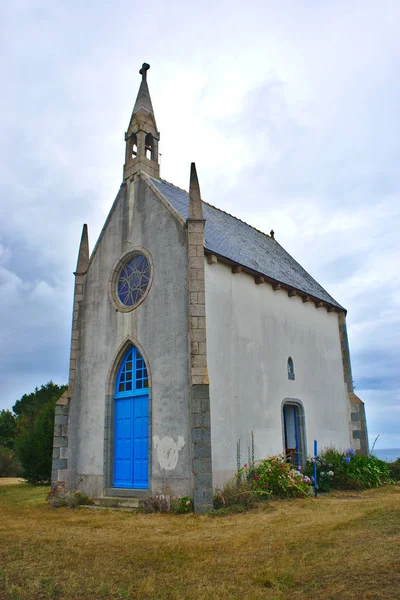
(8, 428)
(164, 503)
(181, 504)
(9, 464)
(394, 469)
(35, 428)
(275, 476)
(272, 477)
(347, 471)
(34, 446)
(58, 497)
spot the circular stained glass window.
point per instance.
(134, 279)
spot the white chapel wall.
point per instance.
(160, 326)
(251, 332)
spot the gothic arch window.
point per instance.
(132, 375)
(290, 368)
(149, 146)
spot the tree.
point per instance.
(8, 429)
(29, 405)
(35, 423)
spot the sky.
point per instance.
(290, 110)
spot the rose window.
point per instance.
(134, 279)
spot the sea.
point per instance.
(387, 454)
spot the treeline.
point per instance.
(26, 435)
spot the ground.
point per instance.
(342, 546)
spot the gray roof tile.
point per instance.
(232, 238)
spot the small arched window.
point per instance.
(290, 368)
(134, 146)
(149, 146)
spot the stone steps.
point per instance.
(117, 502)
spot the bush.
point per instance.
(275, 476)
(34, 446)
(272, 477)
(348, 470)
(8, 428)
(394, 469)
(58, 497)
(9, 464)
(236, 493)
(155, 504)
(35, 428)
(181, 504)
(163, 503)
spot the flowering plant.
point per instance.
(348, 470)
(275, 476)
(181, 504)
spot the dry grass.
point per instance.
(344, 546)
(10, 480)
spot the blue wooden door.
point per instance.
(131, 423)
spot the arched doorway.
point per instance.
(294, 431)
(131, 423)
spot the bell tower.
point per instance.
(142, 136)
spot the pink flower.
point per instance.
(256, 477)
(299, 468)
(188, 503)
(245, 466)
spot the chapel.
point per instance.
(197, 343)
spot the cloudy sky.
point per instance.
(290, 110)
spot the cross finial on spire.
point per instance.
(143, 71)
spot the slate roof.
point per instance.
(230, 237)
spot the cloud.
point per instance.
(290, 111)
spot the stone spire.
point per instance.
(142, 136)
(143, 100)
(83, 254)
(195, 203)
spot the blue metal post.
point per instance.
(315, 467)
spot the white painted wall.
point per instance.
(251, 332)
(160, 324)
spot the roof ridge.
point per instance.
(222, 211)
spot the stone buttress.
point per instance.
(199, 382)
(358, 422)
(61, 451)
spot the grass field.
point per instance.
(343, 546)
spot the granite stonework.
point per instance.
(358, 421)
(200, 389)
